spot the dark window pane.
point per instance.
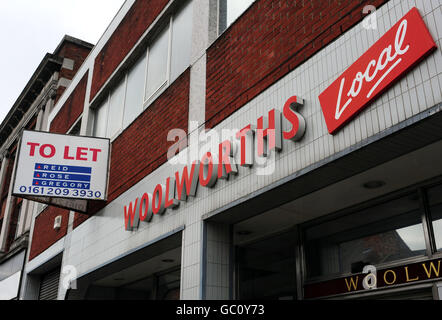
(169, 286)
(383, 233)
(266, 269)
(435, 201)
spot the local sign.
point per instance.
(400, 49)
(61, 166)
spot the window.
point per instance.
(167, 57)
(135, 91)
(116, 108)
(387, 232)
(181, 41)
(169, 285)
(230, 10)
(266, 268)
(157, 63)
(100, 124)
(435, 203)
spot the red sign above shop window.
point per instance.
(393, 55)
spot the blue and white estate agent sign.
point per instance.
(62, 166)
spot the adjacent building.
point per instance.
(29, 112)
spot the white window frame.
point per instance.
(107, 99)
(147, 101)
(120, 130)
(165, 84)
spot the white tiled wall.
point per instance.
(103, 237)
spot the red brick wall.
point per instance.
(131, 28)
(74, 52)
(72, 108)
(143, 146)
(44, 234)
(271, 39)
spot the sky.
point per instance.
(31, 28)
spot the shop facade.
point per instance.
(293, 212)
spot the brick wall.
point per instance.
(143, 146)
(71, 110)
(269, 40)
(131, 28)
(44, 234)
(76, 53)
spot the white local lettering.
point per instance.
(380, 65)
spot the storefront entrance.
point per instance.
(150, 273)
(157, 278)
(266, 269)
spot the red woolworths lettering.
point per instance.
(393, 55)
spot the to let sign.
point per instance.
(62, 166)
(399, 50)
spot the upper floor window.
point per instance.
(229, 11)
(158, 56)
(165, 59)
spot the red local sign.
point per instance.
(393, 55)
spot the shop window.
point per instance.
(230, 10)
(169, 286)
(435, 202)
(266, 268)
(380, 234)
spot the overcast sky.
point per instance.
(31, 28)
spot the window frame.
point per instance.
(120, 129)
(148, 99)
(103, 102)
